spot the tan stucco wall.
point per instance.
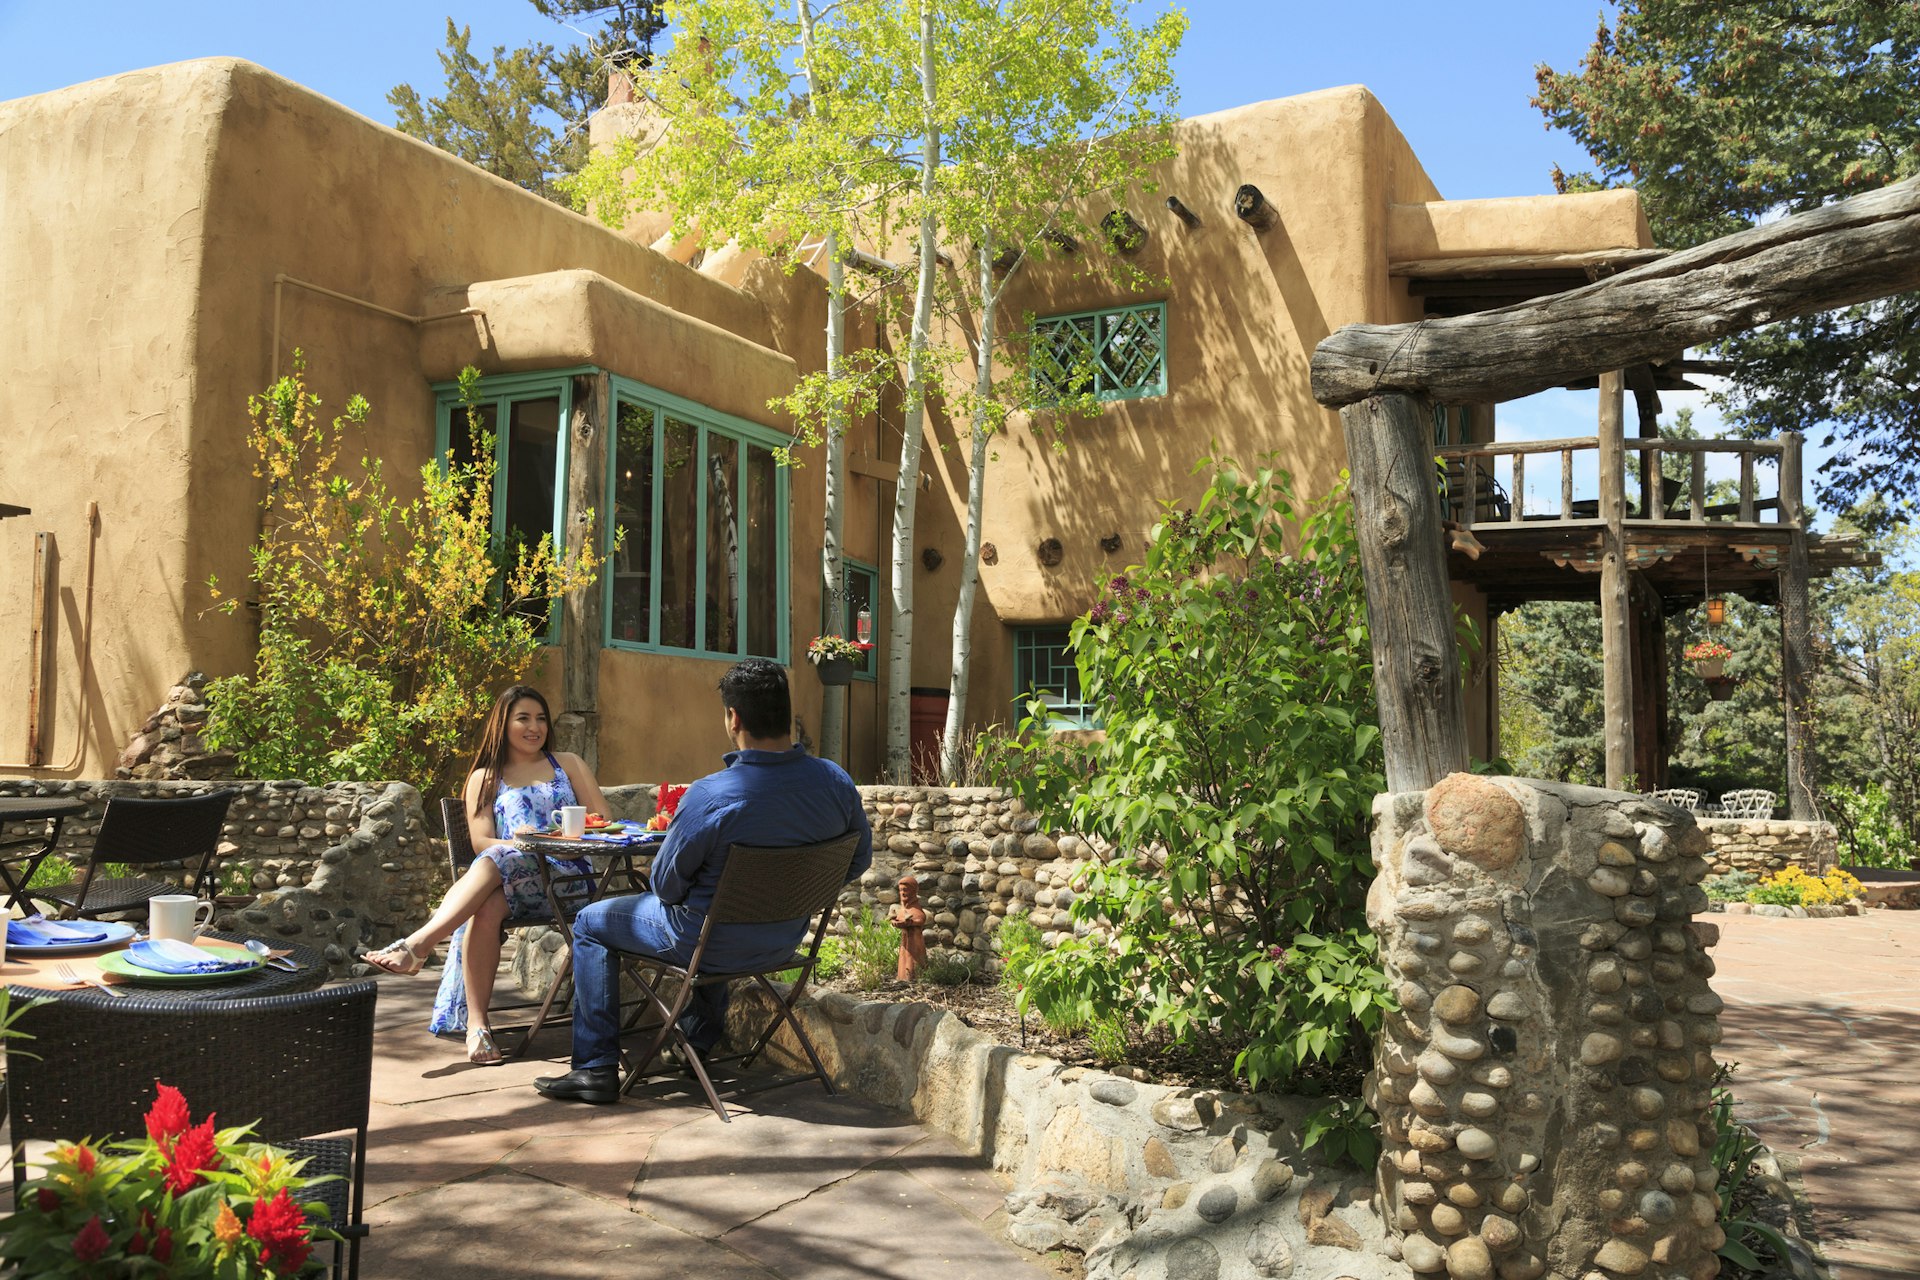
(1517, 224)
(163, 203)
(1244, 312)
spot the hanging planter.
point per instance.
(1709, 659)
(834, 670)
(1720, 688)
(833, 658)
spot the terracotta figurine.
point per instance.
(910, 918)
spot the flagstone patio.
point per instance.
(471, 1174)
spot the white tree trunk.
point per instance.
(951, 738)
(907, 491)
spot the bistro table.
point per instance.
(311, 972)
(622, 873)
(53, 810)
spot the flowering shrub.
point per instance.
(826, 648)
(1704, 650)
(1793, 887)
(1233, 672)
(185, 1201)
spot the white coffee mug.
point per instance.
(573, 820)
(178, 917)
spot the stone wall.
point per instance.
(1543, 1091)
(1150, 1182)
(336, 867)
(1763, 846)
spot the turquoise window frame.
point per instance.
(665, 404)
(1067, 713)
(871, 670)
(1104, 382)
(500, 390)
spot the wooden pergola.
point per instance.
(1385, 378)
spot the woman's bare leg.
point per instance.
(469, 892)
(480, 956)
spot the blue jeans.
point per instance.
(638, 923)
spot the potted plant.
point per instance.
(1709, 658)
(833, 658)
(185, 1200)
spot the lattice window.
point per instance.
(1043, 666)
(1115, 355)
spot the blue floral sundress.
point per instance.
(513, 809)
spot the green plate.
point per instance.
(117, 964)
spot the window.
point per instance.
(1115, 355)
(862, 585)
(703, 506)
(1043, 666)
(529, 456)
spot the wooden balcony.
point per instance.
(1516, 547)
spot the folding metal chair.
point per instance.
(142, 832)
(757, 887)
(299, 1068)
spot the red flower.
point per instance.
(669, 800)
(280, 1226)
(83, 1159)
(163, 1245)
(137, 1245)
(46, 1199)
(92, 1240)
(167, 1118)
(192, 1152)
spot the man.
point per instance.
(771, 794)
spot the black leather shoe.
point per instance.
(584, 1084)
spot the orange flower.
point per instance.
(226, 1227)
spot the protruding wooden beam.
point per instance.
(1838, 255)
(1396, 512)
(1252, 208)
(1180, 211)
(1123, 233)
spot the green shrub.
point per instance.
(1731, 887)
(53, 870)
(1735, 1152)
(1233, 674)
(830, 964)
(873, 949)
(947, 968)
(1108, 1039)
(1870, 831)
(1784, 894)
(1344, 1130)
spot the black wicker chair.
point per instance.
(460, 856)
(763, 887)
(299, 1068)
(142, 832)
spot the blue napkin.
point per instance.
(38, 931)
(164, 955)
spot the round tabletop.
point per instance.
(264, 981)
(27, 808)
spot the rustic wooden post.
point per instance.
(1616, 617)
(1396, 511)
(1650, 682)
(41, 627)
(578, 726)
(1796, 647)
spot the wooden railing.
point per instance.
(1475, 495)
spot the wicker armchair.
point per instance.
(757, 886)
(142, 832)
(1753, 803)
(1678, 797)
(298, 1067)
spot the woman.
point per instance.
(516, 782)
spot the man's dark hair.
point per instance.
(757, 689)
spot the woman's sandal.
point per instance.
(396, 957)
(481, 1049)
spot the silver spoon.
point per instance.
(265, 952)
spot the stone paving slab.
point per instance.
(880, 1222)
(1821, 1017)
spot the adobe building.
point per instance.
(173, 235)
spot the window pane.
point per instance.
(1043, 666)
(679, 533)
(460, 432)
(860, 596)
(763, 578)
(533, 454)
(633, 516)
(723, 544)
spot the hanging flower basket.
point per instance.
(833, 658)
(835, 670)
(1709, 659)
(1720, 688)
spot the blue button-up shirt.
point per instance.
(766, 799)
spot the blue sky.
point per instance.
(1457, 78)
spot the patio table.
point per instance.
(53, 810)
(622, 871)
(310, 973)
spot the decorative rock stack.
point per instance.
(1543, 1091)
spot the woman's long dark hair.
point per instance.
(491, 757)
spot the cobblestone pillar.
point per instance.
(1543, 1092)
